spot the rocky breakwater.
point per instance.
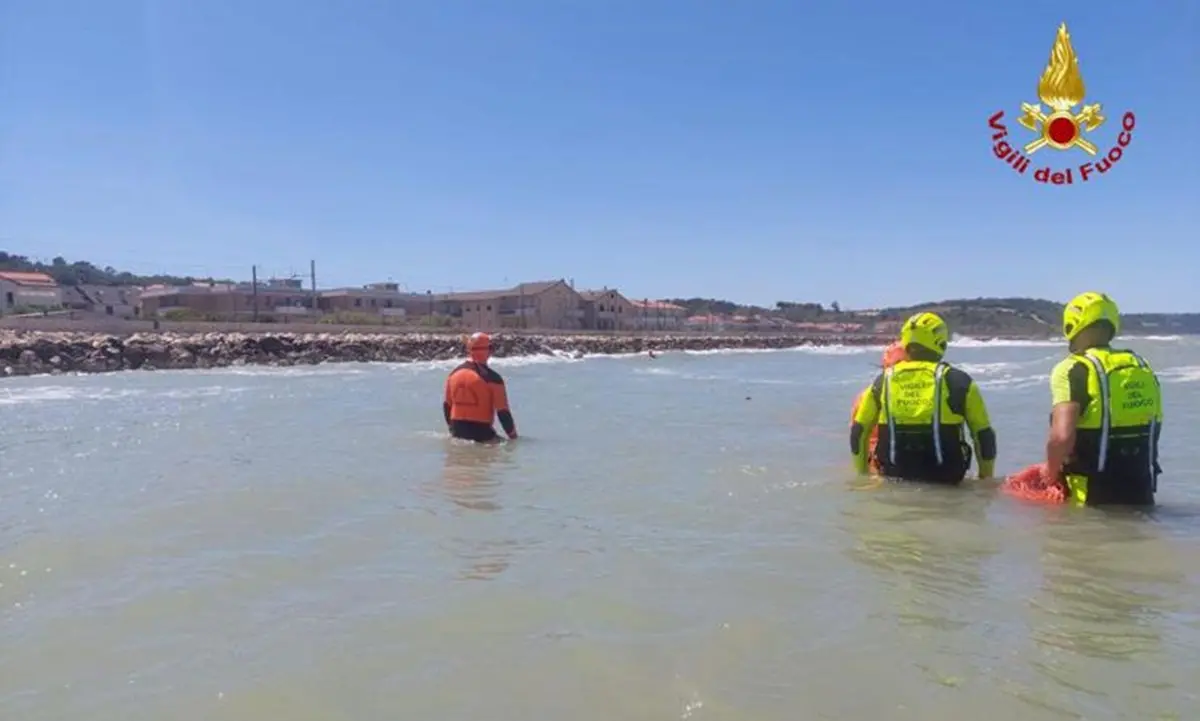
(32, 352)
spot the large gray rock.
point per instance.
(34, 352)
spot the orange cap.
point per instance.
(479, 346)
(893, 354)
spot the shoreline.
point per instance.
(29, 352)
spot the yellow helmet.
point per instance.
(927, 330)
(1086, 309)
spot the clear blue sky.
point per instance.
(758, 151)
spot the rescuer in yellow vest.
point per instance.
(1107, 411)
(920, 405)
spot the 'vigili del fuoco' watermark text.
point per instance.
(1061, 88)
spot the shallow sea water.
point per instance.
(676, 538)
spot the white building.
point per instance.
(28, 291)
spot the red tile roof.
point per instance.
(29, 279)
(656, 305)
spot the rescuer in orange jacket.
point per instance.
(475, 394)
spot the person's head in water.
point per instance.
(924, 337)
(893, 354)
(479, 347)
(1090, 320)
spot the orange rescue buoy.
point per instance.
(1033, 483)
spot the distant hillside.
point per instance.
(82, 272)
(989, 316)
(714, 306)
(1035, 317)
(985, 317)
(1163, 323)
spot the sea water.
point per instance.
(672, 538)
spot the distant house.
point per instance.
(606, 309)
(383, 299)
(116, 300)
(550, 304)
(28, 291)
(658, 315)
(226, 301)
(707, 322)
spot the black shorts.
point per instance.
(1107, 490)
(473, 431)
(924, 468)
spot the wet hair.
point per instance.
(921, 353)
(1100, 333)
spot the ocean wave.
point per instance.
(324, 369)
(832, 349)
(984, 369)
(1014, 382)
(1177, 374)
(966, 341)
(84, 394)
(1180, 374)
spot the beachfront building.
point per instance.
(539, 305)
(606, 309)
(22, 291)
(118, 301)
(546, 305)
(226, 301)
(385, 300)
(706, 323)
(658, 315)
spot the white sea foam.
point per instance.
(834, 349)
(986, 369)
(82, 393)
(1180, 374)
(1013, 382)
(324, 369)
(966, 341)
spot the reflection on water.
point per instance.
(471, 480)
(469, 473)
(1108, 600)
(1108, 608)
(926, 545)
(1108, 582)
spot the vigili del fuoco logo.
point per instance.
(1061, 128)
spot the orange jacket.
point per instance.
(892, 354)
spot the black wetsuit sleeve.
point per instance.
(1078, 378)
(507, 422)
(500, 400)
(965, 400)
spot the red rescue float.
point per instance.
(1033, 483)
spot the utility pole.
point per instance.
(312, 275)
(254, 289)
